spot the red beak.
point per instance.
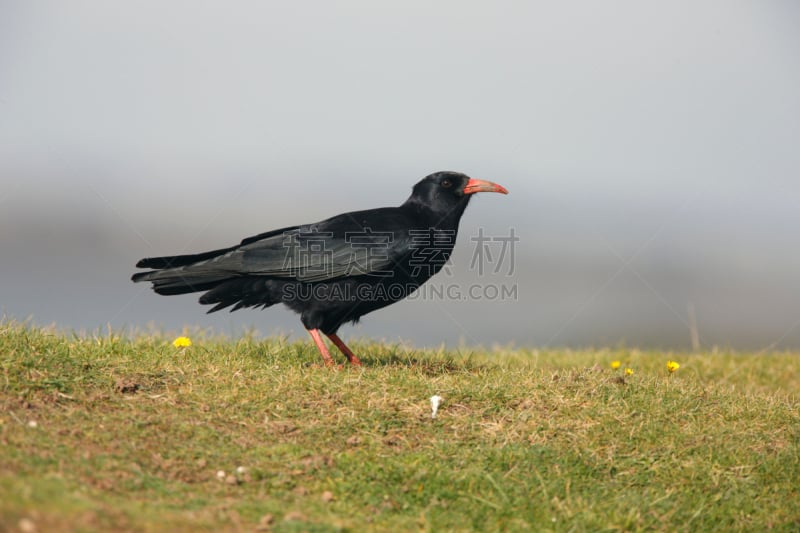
(474, 186)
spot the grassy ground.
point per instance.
(108, 433)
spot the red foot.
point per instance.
(344, 349)
(323, 350)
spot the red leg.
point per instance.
(344, 349)
(321, 346)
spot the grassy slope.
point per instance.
(540, 440)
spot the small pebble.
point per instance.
(220, 475)
(32, 424)
(436, 400)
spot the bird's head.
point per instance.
(448, 193)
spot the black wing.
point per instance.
(361, 243)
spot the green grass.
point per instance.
(130, 434)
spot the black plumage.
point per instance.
(334, 271)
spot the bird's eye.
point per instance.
(447, 183)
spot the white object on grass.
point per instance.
(436, 400)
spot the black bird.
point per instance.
(333, 271)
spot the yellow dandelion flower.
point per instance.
(672, 366)
(629, 371)
(616, 364)
(182, 342)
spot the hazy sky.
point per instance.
(651, 151)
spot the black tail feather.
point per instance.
(243, 292)
(182, 274)
(224, 281)
(172, 261)
(186, 288)
(178, 281)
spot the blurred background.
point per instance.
(651, 151)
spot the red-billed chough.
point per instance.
(333, 271)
